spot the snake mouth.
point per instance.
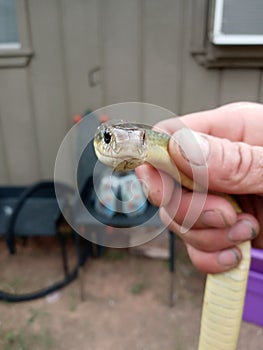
(128, 164)
(125, 163)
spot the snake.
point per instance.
(124, 146)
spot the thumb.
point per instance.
(232, 167)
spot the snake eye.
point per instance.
(143, 138)
(107, 137)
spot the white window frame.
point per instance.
(18, 54)
(10, 46)
(219, 38)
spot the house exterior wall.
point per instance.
(132, 50)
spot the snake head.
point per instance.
(120, 145)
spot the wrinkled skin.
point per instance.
(235, 165)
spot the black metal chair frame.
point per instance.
(10, 236)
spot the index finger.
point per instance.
(242, 121)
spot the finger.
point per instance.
(214, 262)
(213, 239)
(243, 120)
(158, 186)
(216, 211)
(233, 167)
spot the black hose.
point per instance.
(9, 297)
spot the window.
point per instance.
(15, 46)
(228, 33)
(238, 22)
(8, 25)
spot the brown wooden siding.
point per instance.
(139, 51)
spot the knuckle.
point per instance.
(237, 162)
(243, 163)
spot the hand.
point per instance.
(232, 144)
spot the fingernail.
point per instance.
(213, 218)
(229, 258)
(242, 231)
(193, 146)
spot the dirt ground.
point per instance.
(125, 308)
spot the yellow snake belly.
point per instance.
(224, 294)
(223, 306)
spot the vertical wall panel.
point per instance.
(48, 81)
(18, 126)
(161, 52)
(82, 53)
(239, 85)
(4, 173)
(199, 85)
(120, 26)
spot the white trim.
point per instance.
(219, 38)
(222, 39)
(218, 16)
(10, 46)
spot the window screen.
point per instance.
(8, 24)
(238, 22)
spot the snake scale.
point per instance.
(124, 146)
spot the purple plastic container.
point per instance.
(253, 310)
(256, 260)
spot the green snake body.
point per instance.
(124, 146)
